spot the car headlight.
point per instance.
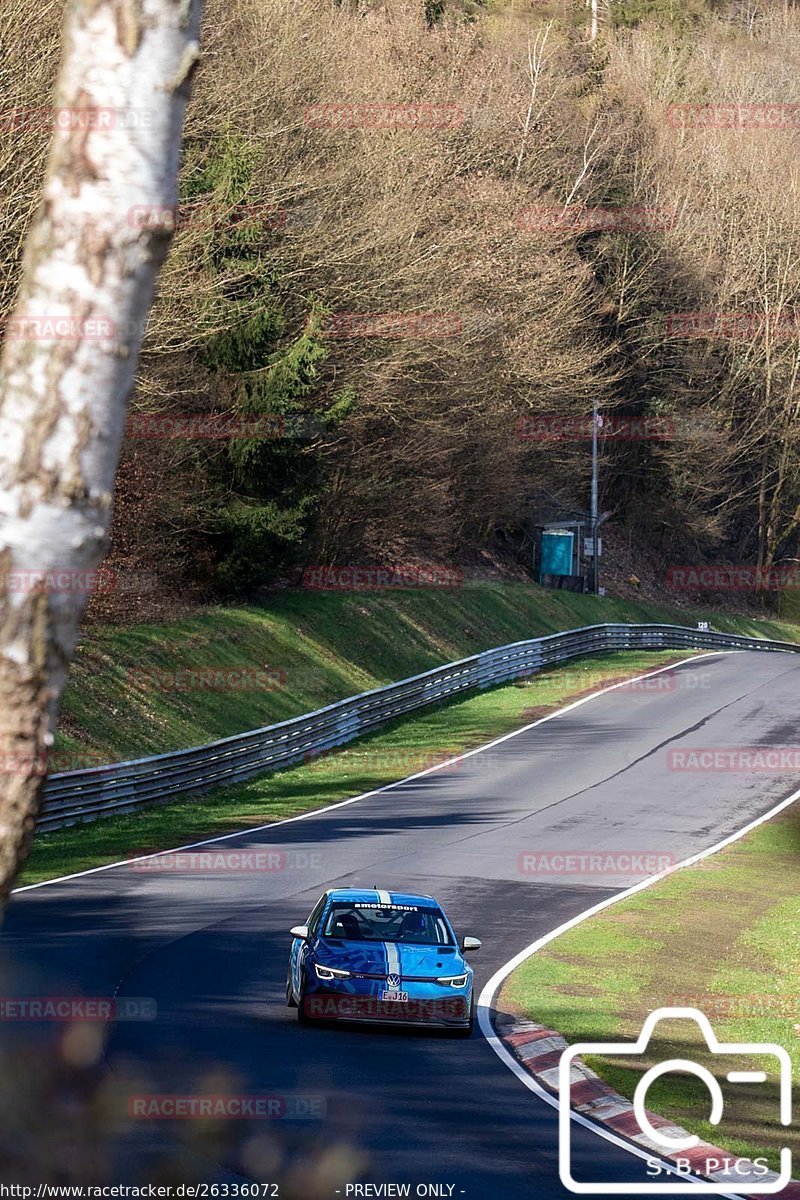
(330, 972)
(456, 981)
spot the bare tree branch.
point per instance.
(536, 61)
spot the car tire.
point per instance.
(302, 1016)
(290, 1000)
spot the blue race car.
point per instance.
(380, 956)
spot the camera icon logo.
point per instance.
(665, 1138)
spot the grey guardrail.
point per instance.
(74, 796)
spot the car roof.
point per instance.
(378, 896)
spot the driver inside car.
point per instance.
(412, 927)
(347, 926)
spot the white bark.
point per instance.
(120, 97)
(536, 61)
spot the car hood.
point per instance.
(379, 958)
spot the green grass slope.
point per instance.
(324, 645)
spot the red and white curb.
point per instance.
(538, 1050)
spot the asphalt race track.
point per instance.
(211, 949)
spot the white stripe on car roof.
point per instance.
(392, 959)
(384, 897)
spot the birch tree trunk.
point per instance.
(70, 355)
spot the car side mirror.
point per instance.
(300, 931)
(470, 943)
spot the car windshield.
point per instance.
(365, 922)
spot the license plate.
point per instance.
(394, 996)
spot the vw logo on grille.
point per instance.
(393, 981)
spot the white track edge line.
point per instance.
(484, 1001)
(315, 812)
(485, 1007)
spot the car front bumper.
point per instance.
(451, 1012)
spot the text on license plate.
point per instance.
(394, 995)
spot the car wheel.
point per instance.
(290, 1000)
(302, 1015)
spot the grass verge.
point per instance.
(145, 689)
(720, 936)
(403, 748)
